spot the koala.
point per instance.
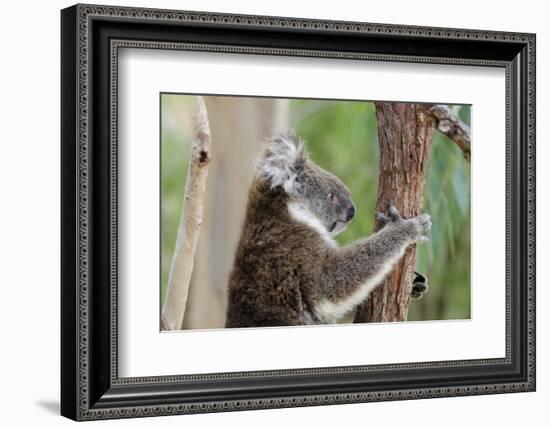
(288, 270)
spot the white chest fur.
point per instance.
(301, 214)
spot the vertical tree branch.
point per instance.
(405, 139)
(181, 269)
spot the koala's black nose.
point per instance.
(350, 213)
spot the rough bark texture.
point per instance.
(189, 228)
(405, 139)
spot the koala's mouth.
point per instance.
(337, 227)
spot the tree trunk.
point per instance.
(405, 140)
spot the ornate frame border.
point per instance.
(85, 407)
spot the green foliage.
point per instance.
(446, 258)
(176, 111)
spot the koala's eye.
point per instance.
(331, 196)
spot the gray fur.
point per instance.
(287, 269)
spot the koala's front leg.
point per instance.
(351, 272)
(420, 282)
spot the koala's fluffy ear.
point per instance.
(282, 160)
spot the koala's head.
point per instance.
(285, 164)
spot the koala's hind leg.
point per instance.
(419, 286)
(352, 272)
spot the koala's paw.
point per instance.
(419, 286)
(415, 228)
(419, 226)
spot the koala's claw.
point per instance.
(382, 219)
(392, 216)
(417, 225)
(394, 213)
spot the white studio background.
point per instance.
(29, 225)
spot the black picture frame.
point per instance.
(90, 386)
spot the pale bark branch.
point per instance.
(181, 268)
(448, 123)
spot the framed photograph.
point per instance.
(263, 212)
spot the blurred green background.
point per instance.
(341, 136)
